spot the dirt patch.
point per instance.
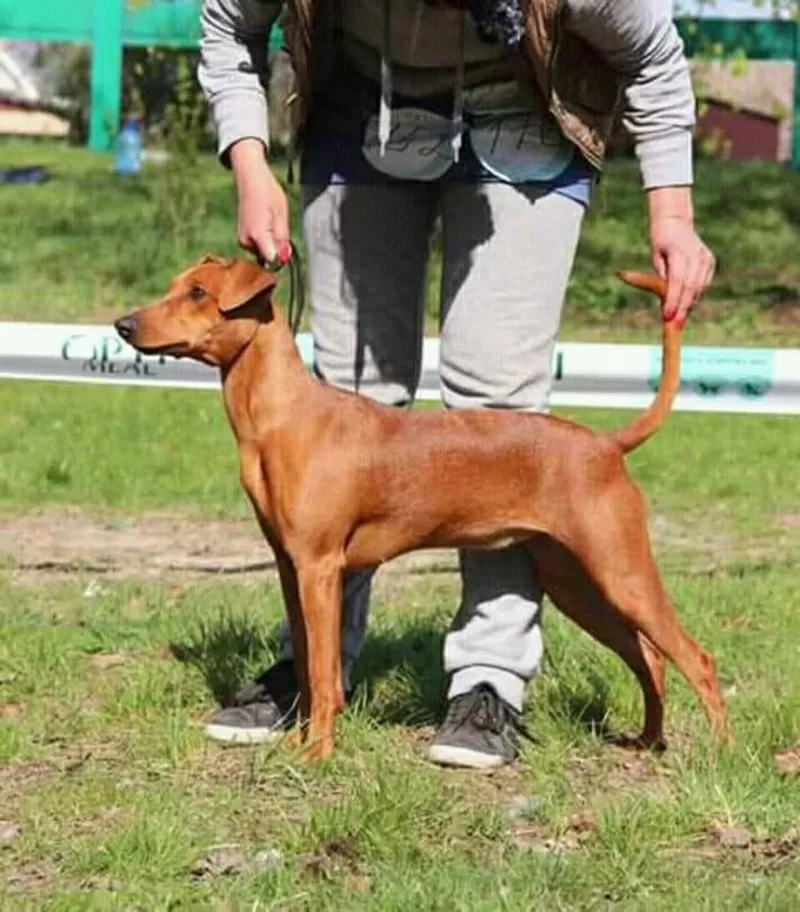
(64, 542)
(616, 771)
(709, 546)
(16, 779)
(787, 763)
(52, 545)
(56, 544)
(30, 877)
(757, 853)
(10, 712)
(21, 775)
(501, 788)
(231, 860)
(9, 832)
(636, 772)
(104, 661)
(531, 837)
(334, 859)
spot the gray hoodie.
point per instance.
(431, 49)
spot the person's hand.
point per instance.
(678, 253)
(263, 223)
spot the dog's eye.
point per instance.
(197, 292)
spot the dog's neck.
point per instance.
(268, 379)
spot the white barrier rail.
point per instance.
(745, 380)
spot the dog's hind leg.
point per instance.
(574, 593)
(615, 551)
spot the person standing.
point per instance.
(494, 116)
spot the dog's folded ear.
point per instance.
(244, 281)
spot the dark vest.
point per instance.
(582, 91)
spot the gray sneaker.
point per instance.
(480, 731)
(261, 711)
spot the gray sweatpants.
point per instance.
(508, 253)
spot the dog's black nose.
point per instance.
(125, 326)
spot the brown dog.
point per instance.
(338, 483)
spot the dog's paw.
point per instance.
(295, 739)
(318, 752)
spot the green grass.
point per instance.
(118, 796)
(140, 449)
(86, 246)
(106, 677)
(109, 663)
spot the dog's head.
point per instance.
(211, 311)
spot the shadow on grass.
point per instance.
(230, 650)
(226, 649)
(584, 703)
(399, 676)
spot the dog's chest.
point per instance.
(254, 481)
(263, 487)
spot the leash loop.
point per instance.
(297, 290)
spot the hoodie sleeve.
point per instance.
(639, 39)
(233, 68)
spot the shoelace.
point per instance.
(484, 710)
(487, 712)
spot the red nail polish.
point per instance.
(285, 254)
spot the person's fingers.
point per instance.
(676, 280)
(700, 278)
(711, 270)
(284, 253)
(660, 264)
(259, 245)
(263, 224)
(265, 245)
(280, 225)
(692, 289)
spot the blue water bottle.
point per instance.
(128, 159)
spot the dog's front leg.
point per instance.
(320, 590)
(291, 598)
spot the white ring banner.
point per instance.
(745, 380)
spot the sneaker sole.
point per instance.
(447, 755)
(229, 734)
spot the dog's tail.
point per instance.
(635, 433)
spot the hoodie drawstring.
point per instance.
(457, 122)
(385, 113)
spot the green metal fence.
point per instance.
(110, 25)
